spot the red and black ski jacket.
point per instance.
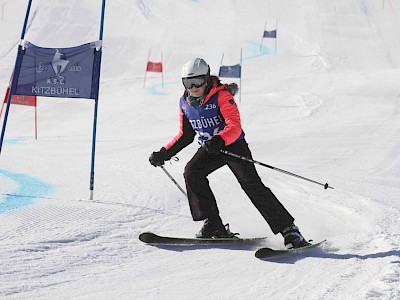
(217, 115)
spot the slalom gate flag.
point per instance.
(270, 34)
(230, 71)
(154, 67)
(59, 72)
(20, 99)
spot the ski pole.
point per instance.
(326, 185)
(174, 181)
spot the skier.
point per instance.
(208, 109)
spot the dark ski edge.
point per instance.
(152, 238)
(266, 253)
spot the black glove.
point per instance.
(159, 157)
(214, 145)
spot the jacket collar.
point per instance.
(215, 89)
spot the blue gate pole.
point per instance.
(17, 67)
(96, 102)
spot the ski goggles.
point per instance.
(194, 82)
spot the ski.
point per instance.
(154, 239)
(267, 253)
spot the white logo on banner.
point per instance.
(59, 64)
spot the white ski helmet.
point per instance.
(195, 67)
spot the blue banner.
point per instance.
(270, 34)
(230, 71)
(59, 72)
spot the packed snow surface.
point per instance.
(321, 101)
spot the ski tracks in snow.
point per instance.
(62, 241)
(362, 246)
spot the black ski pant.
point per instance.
(202, 201)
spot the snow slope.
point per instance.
(325, 106)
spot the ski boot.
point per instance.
(213, 228)
(293, 238)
